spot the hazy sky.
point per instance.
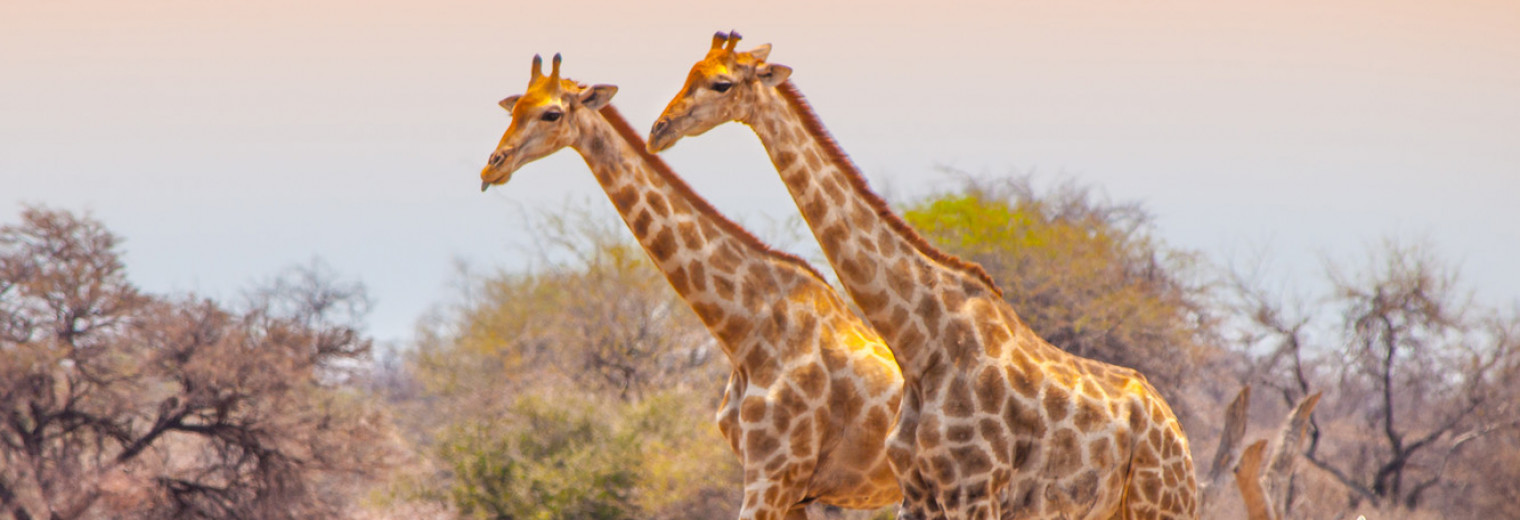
(226, 140)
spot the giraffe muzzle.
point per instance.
(495, 171)
(661, 137)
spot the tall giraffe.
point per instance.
(995, 422)
(813, 389)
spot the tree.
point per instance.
(127, 405)
(552, 457)
(1420, 373)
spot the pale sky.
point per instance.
(227, 140)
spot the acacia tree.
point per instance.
(126, 405)
(1414, 370)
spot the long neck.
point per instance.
(727, 276)
(892, 273)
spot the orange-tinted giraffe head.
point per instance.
(719, 89)
(545, 119)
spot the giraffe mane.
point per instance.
(836, 154)
(636, 141)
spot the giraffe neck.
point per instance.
(887, 268)
(705, 256)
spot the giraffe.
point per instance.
(995, 422)
(813, 389)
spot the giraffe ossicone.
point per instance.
(810, 399)
(995, 422)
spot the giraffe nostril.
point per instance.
(497, 158)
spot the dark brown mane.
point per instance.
(636, 142)
(836, 154)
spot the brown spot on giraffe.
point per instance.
(811, 379)
(710, 313)
(991, 389)
(1023, 420)
(957, 402)
(698, 278)
(873, 302)
(723, 287)
(1057, 403)
(625, 198)
(657, 203)
(753, 409)
(1063, 455)
(678, 281)
(691, 235)
(736, 327)
(663, 244)
(846, 402)
(640, 224)
(1089, 416)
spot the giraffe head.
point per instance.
(545, 119)
(719, 89)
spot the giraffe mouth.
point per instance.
(490, 176)
(662, 136)
(495, 172)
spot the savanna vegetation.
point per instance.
(584, 388)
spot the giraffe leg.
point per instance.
(767, 499)
(1160, 489)
(968, 501)
(920, 498)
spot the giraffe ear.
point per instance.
(761, 52)
(509, 101)
(598, 96)
(771, 74)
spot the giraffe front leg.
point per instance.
(767, 499)
(971, 500)
(775, 478)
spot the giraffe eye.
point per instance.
(550, 116)
(722, 86)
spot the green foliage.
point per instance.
(549, 459)
(559, 455)
(970, 224)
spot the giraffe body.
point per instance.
(813, 389)
(995, 422)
